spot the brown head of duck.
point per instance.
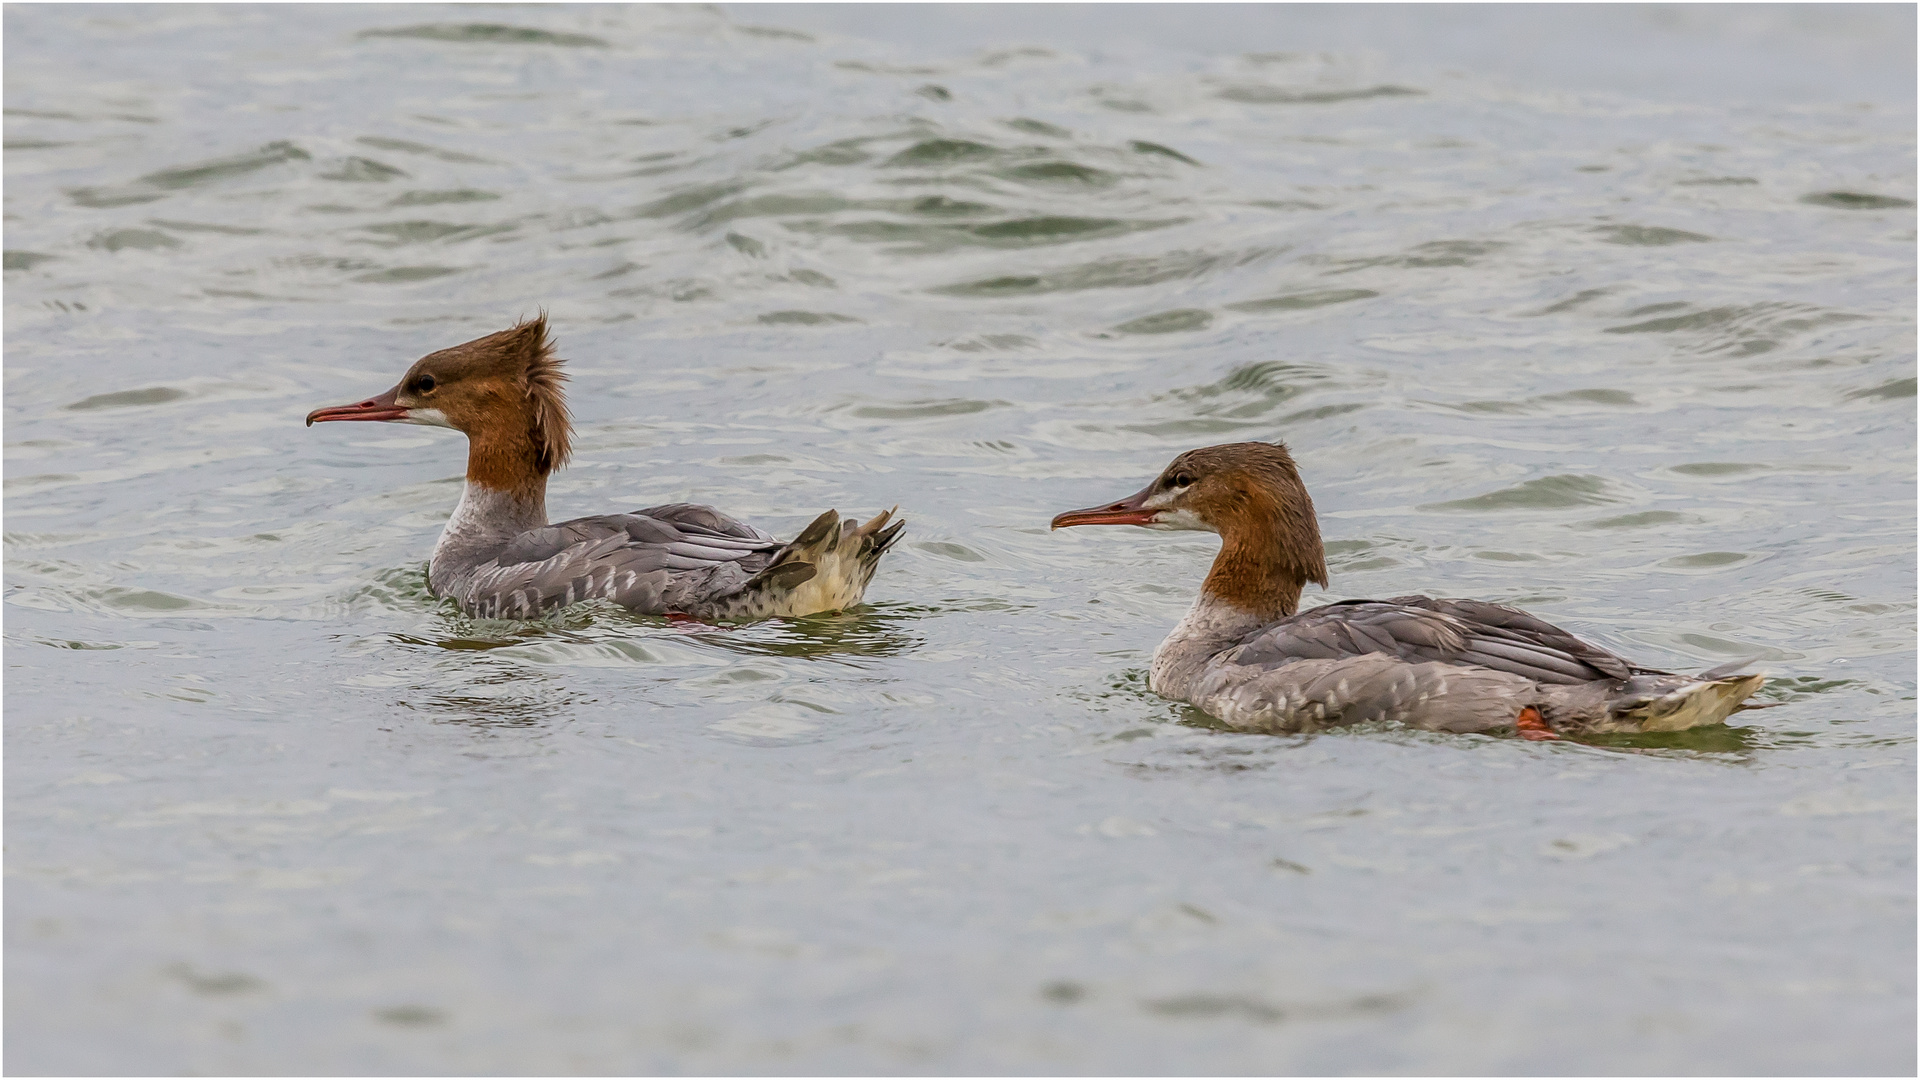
(1251, 495)
(504, 391)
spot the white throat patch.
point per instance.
(426, 418)
(1180, 520)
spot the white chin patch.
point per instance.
(426, 418)
(1180, 521)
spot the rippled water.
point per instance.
(1629, 341)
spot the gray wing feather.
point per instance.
(1419, 629)
(1497, 621)
(693, 517)
(662, 559)
(1522, 660)
(715, 550)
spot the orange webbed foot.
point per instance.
(1532, 726)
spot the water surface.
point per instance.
(1630, 343)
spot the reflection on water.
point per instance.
(1604, 311)
(873, 631)
(605, 629)
(503, 697)
(1729, 739)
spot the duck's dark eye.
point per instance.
(1179, 480)
(423, 385)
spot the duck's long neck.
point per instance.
(1211, 626)
(1251, 585)
(505, 495)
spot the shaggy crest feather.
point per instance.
(551, 424)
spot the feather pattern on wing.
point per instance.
(1420, 628)
(653, 561)
(679, 557)
(1445, 665)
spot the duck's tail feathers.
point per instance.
(872, 540)
(1679, 702)
(825, 568)
(820, 536)
(780, 578)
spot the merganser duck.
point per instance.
(500, 559)
(1248, 656)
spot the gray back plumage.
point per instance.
(681, 557)
(1420, 628)
(1448, 665)
(664, 558)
